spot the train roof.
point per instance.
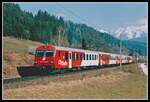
(74, 49)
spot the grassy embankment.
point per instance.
(110, 84)
(15, 53)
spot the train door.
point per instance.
(70, 59)
(100, 60)
(117, 60)
(107, 59)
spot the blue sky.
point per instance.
(106, 16)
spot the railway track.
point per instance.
(53, 74)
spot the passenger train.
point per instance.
(49, 58)
(62, 57)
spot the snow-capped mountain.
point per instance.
(139, 30)
(130, 33)
(103, 31)
(133, 35)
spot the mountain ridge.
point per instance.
(140, 39)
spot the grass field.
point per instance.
(102, 84)
(15, 53)
(126, 83)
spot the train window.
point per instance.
(84, 56)
(112, 58)
(77, 57)
(73, 57)
(87, 56)
(39, 53)
(70, 55)
(66, 55)
(103, 57)
(81, 56)
(49, 53)
(59, 53)
(92, 57)
(106, 57)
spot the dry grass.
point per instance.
(109, 84)
(15, 53)
(133, 68)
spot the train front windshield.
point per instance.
(42, 53)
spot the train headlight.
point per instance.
(35, 62)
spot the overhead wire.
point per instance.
(76, 15)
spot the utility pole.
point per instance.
(137, 57)
(120, 53)
(59, 31)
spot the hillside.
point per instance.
(46, 28)
(15, 53)
(136, 47)
(140, 39)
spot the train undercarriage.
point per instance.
(47, 70)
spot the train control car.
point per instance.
(62, 57)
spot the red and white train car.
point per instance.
(63, 57)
